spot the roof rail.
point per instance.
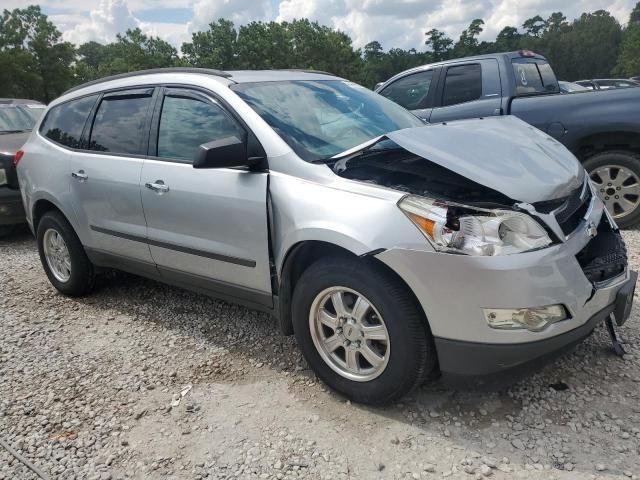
(305, 70)
(206, 71)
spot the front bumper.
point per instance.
(465, 364)
(454, 289)
(11, 208)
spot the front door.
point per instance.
(105, 183)
(206, 227)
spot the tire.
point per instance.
(620, 161)
(81, 276)
(410, 352)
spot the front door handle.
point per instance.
(157, 186)
(80, 175)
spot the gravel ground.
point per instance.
(146, 381)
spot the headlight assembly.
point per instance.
(474, 231)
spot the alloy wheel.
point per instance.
(349, 334)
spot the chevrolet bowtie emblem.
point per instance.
(592, 230)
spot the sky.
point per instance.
(394, 23)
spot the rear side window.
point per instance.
(533, 77)
(119, 125)
(463, 83)
(411, 91)
(186, 123)
(64, 123)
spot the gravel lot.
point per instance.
(98, 388)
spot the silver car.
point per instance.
(393, 250)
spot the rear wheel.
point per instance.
(63, 257)
(361, 331)
(616, 175)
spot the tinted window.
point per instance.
(119, 124)
(187, 123)
(411, 91)
(64, 123)
(533, 77)
(462, 84)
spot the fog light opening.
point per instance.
(534, 319)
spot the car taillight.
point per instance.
(17, 157)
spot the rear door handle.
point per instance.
(80, 175)
(157, 186)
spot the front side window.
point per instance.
(119, 125)
(463, 83)
(186, 123)
(411, 91)
(64, 123)
(322, 118)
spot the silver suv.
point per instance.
(392, 249)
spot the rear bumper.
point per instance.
(11, 208)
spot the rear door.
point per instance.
(206, 227)
(468, 90)
(105, 175)
(414, 92)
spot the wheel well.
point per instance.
(300, 257)
(40, 208)
(589, 146)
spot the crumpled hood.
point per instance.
(501, 153)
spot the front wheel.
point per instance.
(616, 175)
(361, 330)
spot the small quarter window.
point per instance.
(64, 123)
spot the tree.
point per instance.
(34, 62)
(213, 48)
(439, 44)
(507, 40)
(628, 64)
(534, 26)
(467, 45)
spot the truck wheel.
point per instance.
(361, 331)
(617, 178)
(63, 257)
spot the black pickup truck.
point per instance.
(601, 128)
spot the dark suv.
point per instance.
(17, 118)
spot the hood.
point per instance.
(503, 154)
(12, 142)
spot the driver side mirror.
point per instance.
(225, 153)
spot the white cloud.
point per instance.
(108, 19)
(239, 11)
(395, 23)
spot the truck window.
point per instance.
(463, 83)
(533, 76)
(411, 91)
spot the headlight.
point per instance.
(474, 231)
(3, 176)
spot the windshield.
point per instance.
(14, 118)
(319, 119)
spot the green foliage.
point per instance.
(36, 63)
